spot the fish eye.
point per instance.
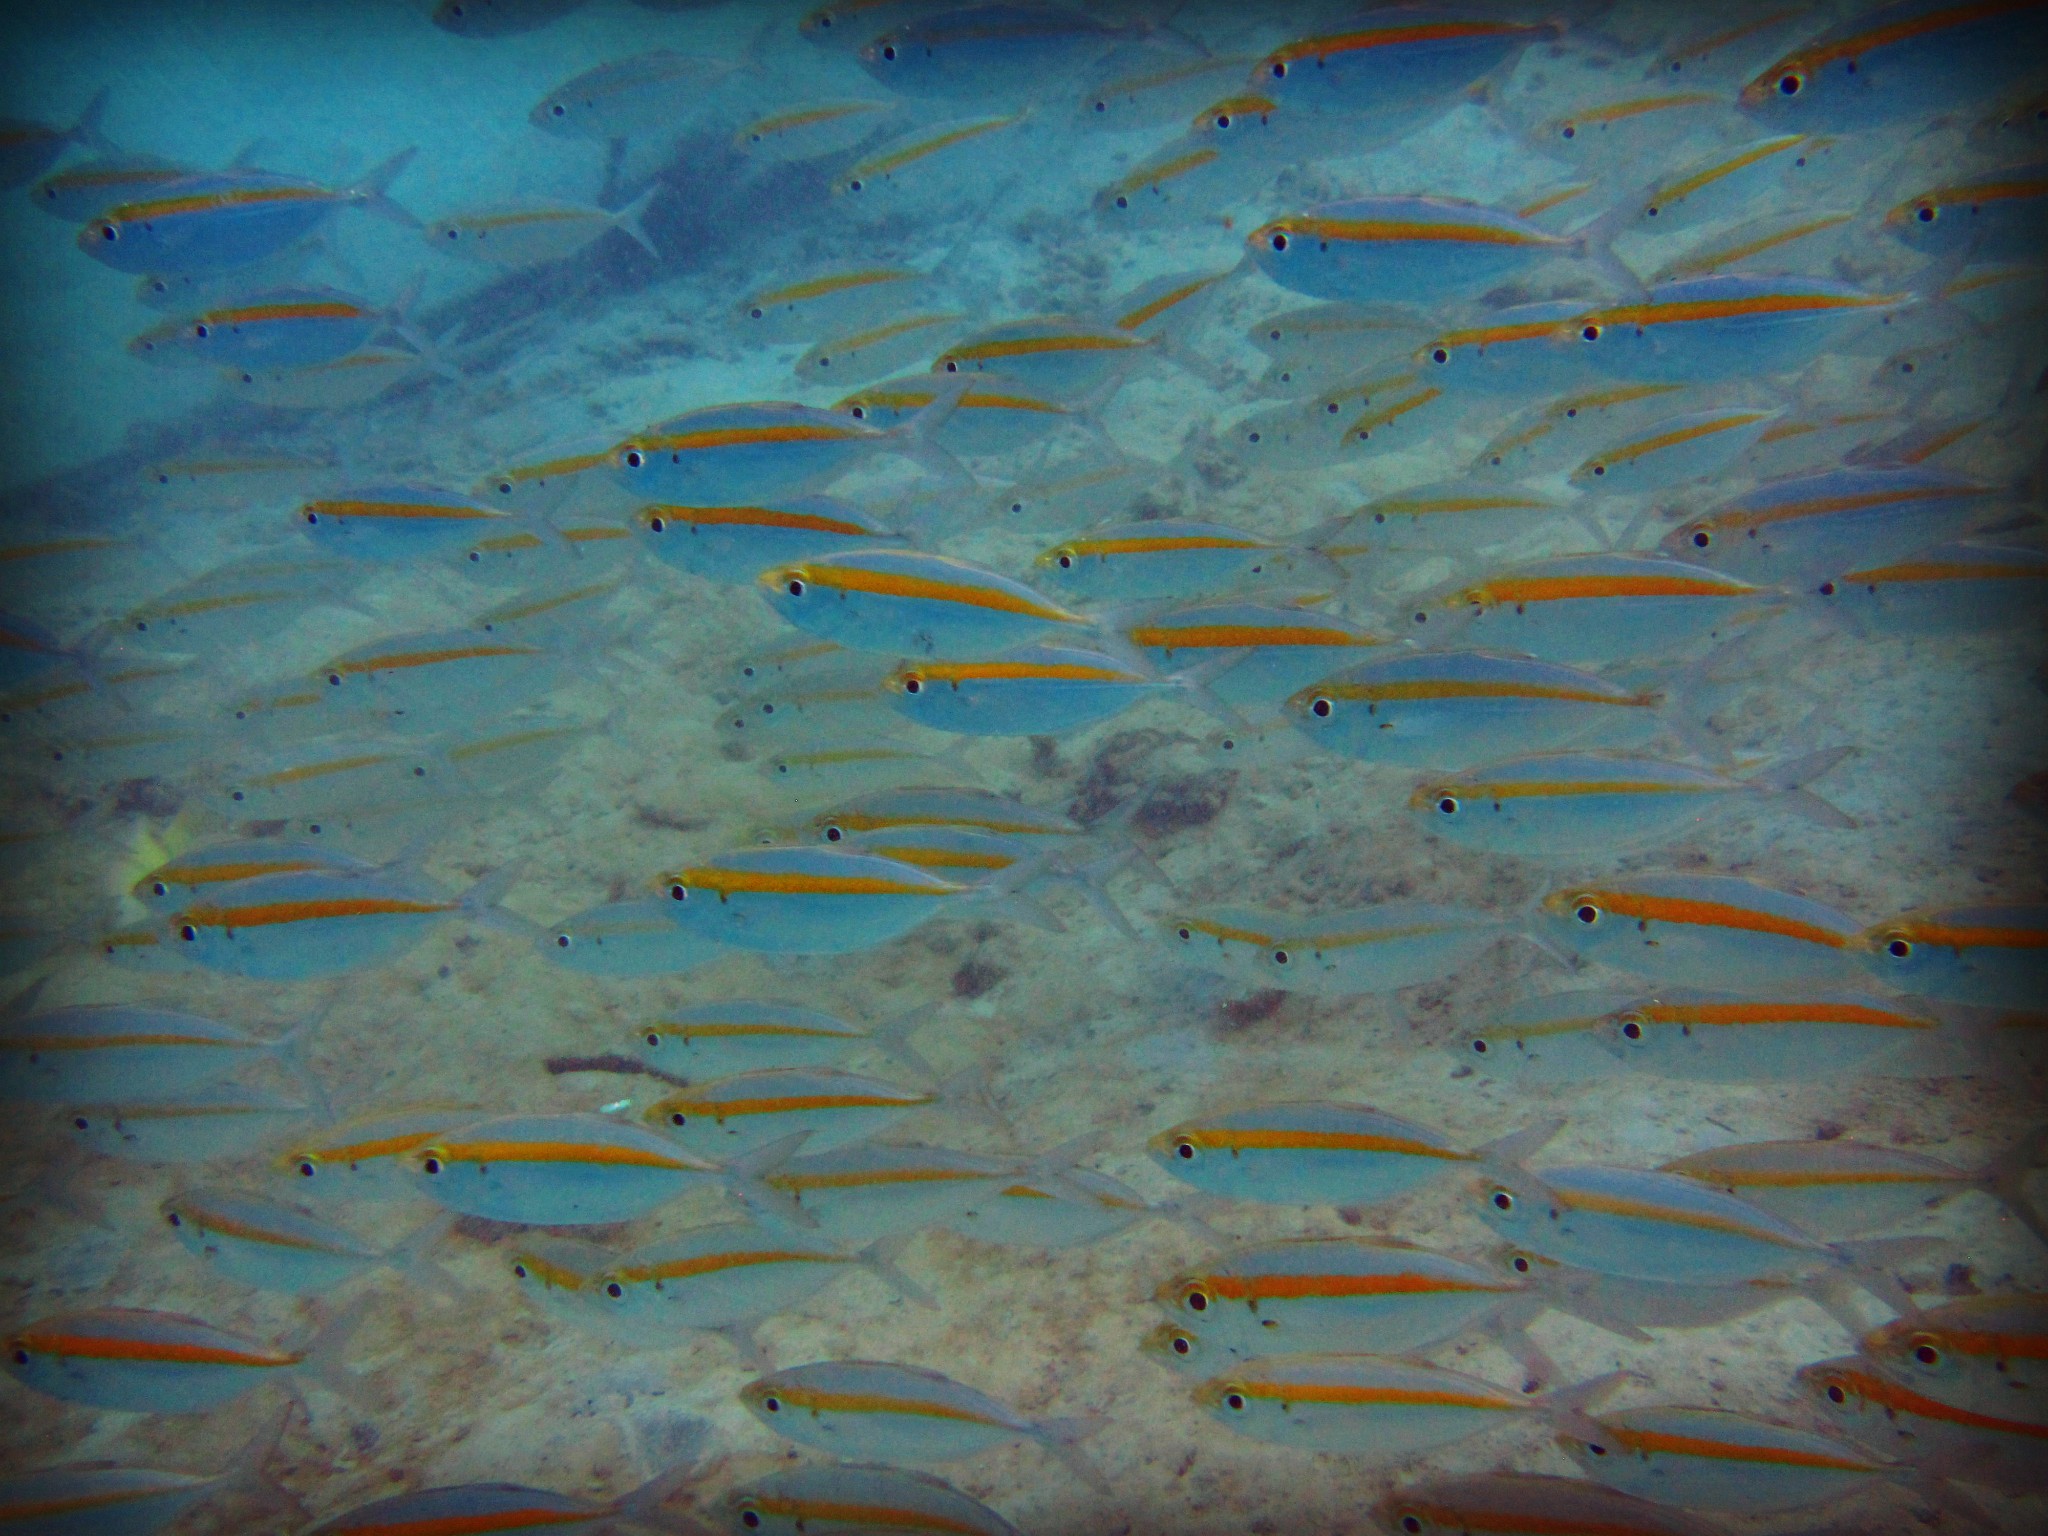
(334, 679)
(856, 185)
(1479, 1047)
(1589, 333)
(1102, 106)
(678, 1119)
(1701, 539)
(1520, 1264)
(237, 794)
(1501, 1200)
(1791, 83)
(174, 1218)
(1234, 1401)
(1632, 1029)
(889, 51)
(1586, 913)
(1066, 562)
(678, 893)
(913, 685)
(432, 1165)
(1408, 1522)
(1448, 804)
(1837, 1395)
(157, 887)
(1182, 1344)
(1197, 1299)
(1228, 744)
(772, 1404)
(751, 1519)
(1278, 242)
(1652, 211)
(657, 525)
(859, 413)
(1280, 70)
(312, 517)
(796, 588)
(307, 1168)
(202, 330)
(559, 110)
(21, 1357)
(1827, 589)
(635, 458)
(615, 1290)
(1900, 949)
(1122, 201)
(1568, 131)
(1281, 957)
(1320, 708)
(1927, 1354)
(1440, 355)
(563, 941)
(653, 1039)
(1596, 1450)
(754, 313)
(188, 933)
(1184, 1150)
(1185, 933)
(1927, 214)
(81, 1124)
(1599, 469)
(110, 232)
(1222, 119)
(519, 1270)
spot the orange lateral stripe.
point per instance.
(311, 309)
(1155, 171)
(1686, 310)
(1393, 37)
(245, 197)
(1960, 936)
(871, 1177)
(1717, 914)
(1414, 229)
(307, 771)
(773, 882)
(382, 1146)
(1222, 931)
(1161, 544)
(1391, 412)
(1645, 1210)
(893, 584)
(248, 1231)
(792, 1103)
(392, 660)
(883, 165)
(1551, 589)
(1824, 506)
(941, 858)
(1619, 111)
(876, 1402)
(1486, 335)
(1162, 304)
(745, 437)
(714, 1263)
(601, 1153)
(1240, 636)
(109, 1042)
(1542, 790)
(1461, 688)
(1726, 1450)
(469, 1525)
(837, 282)
(1295, 1287)
(1026, 671)
(404, 509)
(1036, 346)
(77, 1346)
(1682, 435)
(1729, 167)
(1780, 1013)
(1890, 1395)
(1903, 31)
(1485, 1520)
(271, 913)
(753, 517)
(1376, 1397)
(1783, 1178)
(731, 1031)
(1228, 1140)
(833, 1514)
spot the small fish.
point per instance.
(1379, 949)
(1707, 930)
(499, 18)
(211, 1124)
(1696, 445)
(1318, 1154)
(997, 53)
(439, 679)
(137, 1361)
(1366, 1405)
(808, 901)
(229, 219)
(533, 231)
(1983, 1353)
(1627, 131)
(749, 1110)
(1548, 1038)
(540, 483)
(1452, 709)
(1062, 1210)
(1459, 516)
(851, 1497)
(1724, 326)
(758, 452)
(627, 938)
(233, 604)
(1555, 437)
(869, 1191)
(100, 1499)
(1510, 352)
(357, 379)
(1167, 558)
(1733, 180)
(1525, 1504)
(1284, 648)
(649, 94)
(1313, 346)
(1594, 610)
(893, 173)
(962, 809)
(27, 149)
(487, 1508)
(1754, 238)
(992, 415)
(714, 1040)
(826, 301)
(824, 689)
(1397, 67)
(734, 545)
(557, 1170)
(1822, 524)
(273, 1247)
(1901, 60)
(872, 1408)
(1035, 690)
(876, 350)
(906, 602)
(1994, 1450)
(1719, 1462)
(1063, 355)
(1413, 250)
(118, 1054)
(1717, 1037)
(397, 523)
(843, 763)
(277, 328)
(368, 1156)
(811, 131)
(80, 190)
(1237, 942)
(1985, 957)
(1843, 1189)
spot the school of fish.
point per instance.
(1113, 767)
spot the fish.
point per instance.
(1695, 445)
(821, 691)
(439, 679)
(367, 1156)
(994, 53)
(907, 602)
(1448, 515)
(867, 1191)
(1843, 1189)
(812, 130)
(490, 1507)
(102, 1053)
(902, 1412)
(207, 1125)
(364, 375)
(1034, 690)
(1379, 948)
(1764, 237)
(1318, 1154)
(1548, 1037)
(715, 1040)
(627, 938)
(1898, 61)
(539, 482)
(75, 192)
(1994, 1450)
(1511, 352)
(1527, 1504)
(1720, 1037)
(232, 604)
(1283, 648)
(1235, 942)
(1395, 66)
(273, 1247)
(1981, 1353)
(1984, 957)
(734, 545)
(993, 414)
(1065, 355)
(927, 158)
(1360, 1405)
(1343, 1295)
(135, 1360)
(825, 301)
(1408, 250)
(1155, 87)
(1708, 931)
(977, 810)
(223, 220)
(297, 927)
(1625, 131)
(1453, 709)
(533, 231)
(852, 1497)
(276, 328)
(749, 453)
(559, 1170)
(646, 95)
(841, 763)
(1724, 325)
(399, 523)
(27, 149)
(1947, 589)
(90, 1498)
(808, 901)
(1569, 805)
(1719, 1462)
(1735, 179)
(831, 1107)
(876, 350)
(1063, 1209)
(1821, 524)
(1167, 558)
(1599, 609)
(1555, 437)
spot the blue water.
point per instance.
(493, 739)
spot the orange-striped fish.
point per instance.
(1724, 326)
(1708, 930)
(1986, 957)
(908, 603)
(1987, 1353)
(1720, 1462)
(880, 1500)
(744, 1111)
(1988, 1448)
(116, 1053)
(1402, 250)
(1525, 1504)
(809, 901)
(1839, 519)
(733, 545)
(137, 1361)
